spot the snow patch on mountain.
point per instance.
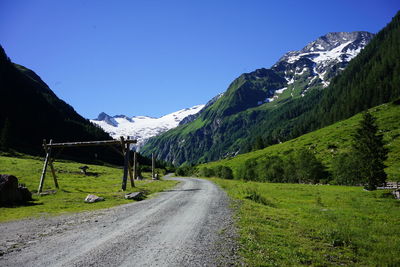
(142, 128)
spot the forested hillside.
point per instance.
(326, 144)
(31, 112)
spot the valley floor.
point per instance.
(190, 225)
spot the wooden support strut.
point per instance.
(47, 160)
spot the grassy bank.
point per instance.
(318, 225)
(74, 187)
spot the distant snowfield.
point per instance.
(142, 128)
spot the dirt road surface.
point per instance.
(190, 225)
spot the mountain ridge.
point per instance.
(142, 128)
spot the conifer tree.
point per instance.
(259, 143)
(369, 152)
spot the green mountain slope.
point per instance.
(31, 112)
(329, 141)
(232, 123)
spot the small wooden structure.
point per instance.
(48, 148)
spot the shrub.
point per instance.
(272, 169)
(344, 170)
(307, 168)
(225, 172)
(185, 171)
(247, 171)
(254, 194)
(206, 172)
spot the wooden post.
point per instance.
(135, 174)
(130, 164)
(139, 173)
(46, 162)
(152, 166)
(126, 154)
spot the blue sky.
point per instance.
(155, 57)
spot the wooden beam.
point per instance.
(91, 143)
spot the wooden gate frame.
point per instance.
(124, 151)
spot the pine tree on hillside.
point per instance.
(369, 152)
(259, 143)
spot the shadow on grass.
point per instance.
(27, 204)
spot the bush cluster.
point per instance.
(298, 167)
(185, 171)
(218, 171)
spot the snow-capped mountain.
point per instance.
(318, 62)
(255, 103)
(142, 127)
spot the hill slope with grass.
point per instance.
(330, 141)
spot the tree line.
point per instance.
(362, 165)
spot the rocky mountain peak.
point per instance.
(339, 46)
(319, 61)
(107, 119)
(333, 40)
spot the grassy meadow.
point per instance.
(317, 225)
(74, 187)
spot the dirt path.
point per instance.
(190, 225)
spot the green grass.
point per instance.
(74, 187)
(296, 224)
(329, 141)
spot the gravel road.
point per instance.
(190, 225)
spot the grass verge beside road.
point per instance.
(318, 225)
(74, 187)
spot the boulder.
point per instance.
(135, 196)
(12, 193)
(93, 198)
